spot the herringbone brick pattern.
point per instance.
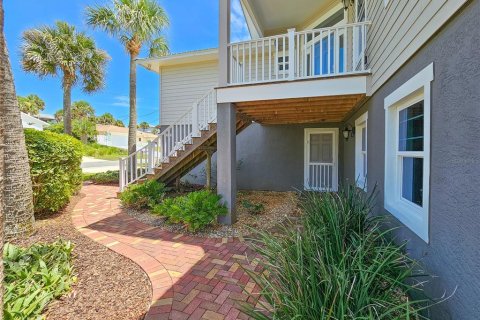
(191, 277)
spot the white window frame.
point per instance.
(414, 90)
(360, 175)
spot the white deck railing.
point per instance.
(172, 139)
(299, 55)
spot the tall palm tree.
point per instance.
(17, 193)
(63, 51)
(2, 140)
(135, 23)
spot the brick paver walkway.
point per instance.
(192, 278)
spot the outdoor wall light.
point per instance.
(348, 132)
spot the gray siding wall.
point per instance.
(269, 158)
(454, 250)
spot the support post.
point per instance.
(223, 41)
(291, 55)
(226, 159)
(150, 151)
(208, 169)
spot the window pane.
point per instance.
(410, 136)
(364, 165)
(412, 180)
(321, 147)
(364, 139)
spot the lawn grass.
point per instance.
(99, 151)
(111, 176)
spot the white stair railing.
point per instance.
(172, 139)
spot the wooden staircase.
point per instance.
(193, 154)
(179, 148)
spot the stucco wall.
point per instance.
(453, 254)
(269, 158)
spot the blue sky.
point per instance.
(193, 25)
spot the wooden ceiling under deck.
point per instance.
(301, 110)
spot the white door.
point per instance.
(321, 159)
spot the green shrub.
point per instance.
(144, 195)
(338, 265)
(253, 208)
(35, 276)
(99, 151)
(55, 168)
(102, 177)
(196, 210)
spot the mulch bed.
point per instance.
(279, 207)
(109, 286)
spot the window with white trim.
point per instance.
(407, 152)
(361, 151)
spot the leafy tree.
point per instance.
(135, 23)
(82, 109)
(63, 51)
(143, 125)
(59, 116)
(17, 204)
(106, 118)
(119, 123)
(31, 104)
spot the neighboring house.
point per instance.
(49, 118)
(29, 121)
(114, 136)
(384, 94)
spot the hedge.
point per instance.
(55, 168)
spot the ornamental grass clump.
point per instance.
(339, 264)
(35, 276)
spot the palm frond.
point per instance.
(158, 47)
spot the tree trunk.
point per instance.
(67, 107)
(17, 194)
(132, 125)
(2, 142)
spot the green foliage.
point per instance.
(102, 177)
(55, 168)
(143, 125)
(253, 208)
(82, 109)
(31, 104)
(144, 195)
(35, 276)
(134, 23)
(84, 126)
(196, 210)
(338, 265)
(61, 50)
(108, 119)
(103, 152)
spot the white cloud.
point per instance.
(121, 101)
(239, 29)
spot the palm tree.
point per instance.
(61, 50)
(2, 141)
(31, 104)
(135, 23)
(17, 203)
(144, 126)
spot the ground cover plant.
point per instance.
(337, 264)
(195, 210)
(54, 167)
(253, 208)
(35, 276)
(102, 177)
(144, 195)
(99, 151)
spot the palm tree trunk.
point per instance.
(17, 193)
(67, 103)
(132, 125)
(2, 142)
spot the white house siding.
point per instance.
(400, 29)
(182, 85)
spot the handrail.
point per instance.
(314, 53)
(174, 138)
